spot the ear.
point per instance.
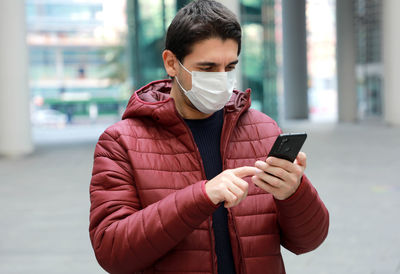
(170, 62)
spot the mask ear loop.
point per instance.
(185, 68)
(179, 84)
(177, 80)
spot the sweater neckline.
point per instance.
(214, 119)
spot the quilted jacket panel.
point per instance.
(149, 213)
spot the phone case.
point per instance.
(288, 145)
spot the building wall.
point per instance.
(147, 29)
(76, 54)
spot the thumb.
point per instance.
(301, 159)
(245, 171)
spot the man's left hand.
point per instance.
(279, 177)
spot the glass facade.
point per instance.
(94, 53)
(258, 58)
(368, 23)
(76, 53)
(148, 22)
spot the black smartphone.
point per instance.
(288, 145)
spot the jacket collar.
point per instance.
(153, 101)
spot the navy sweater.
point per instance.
(207, 135)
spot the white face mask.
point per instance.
(210, 90)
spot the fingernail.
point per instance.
(260, 164)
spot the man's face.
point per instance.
(211, 55)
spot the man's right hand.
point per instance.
(229, 187)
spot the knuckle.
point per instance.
(280, 173)
(226, 172)
(299, 171)
(276, 181)
(221, 187)
(272, 181)
(225, 180)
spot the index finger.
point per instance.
(282, 163)
(245, 171)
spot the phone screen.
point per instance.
(287, 146)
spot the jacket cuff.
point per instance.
(203, 188)
(300, 200)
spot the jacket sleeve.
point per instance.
(126, 237)
(303, 219)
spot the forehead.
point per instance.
(213, 50)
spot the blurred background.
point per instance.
(69, 67)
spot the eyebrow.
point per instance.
(212, 64)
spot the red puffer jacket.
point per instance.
(149, 213)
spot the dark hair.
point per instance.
(200, 20)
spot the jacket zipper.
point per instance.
(230, 213)
(203, 174)
(213, 255)
(232, 220)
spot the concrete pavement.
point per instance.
(44, 203)
(355, 170)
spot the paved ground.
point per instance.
(44, 203)
(355, 169)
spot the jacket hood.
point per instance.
(154, 101)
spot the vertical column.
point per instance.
(234, 6)
(346, 61)
(391, 61)
(15, 130)
(134, 32)
(270, 102)
(294, 59)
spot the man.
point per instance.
(182, 183)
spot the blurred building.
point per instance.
(148, 22)
(367, 60)
(321, 64)
(70, 44)
(369, 67)
(77, 57)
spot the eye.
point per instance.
(205, 68)
(230, 68)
